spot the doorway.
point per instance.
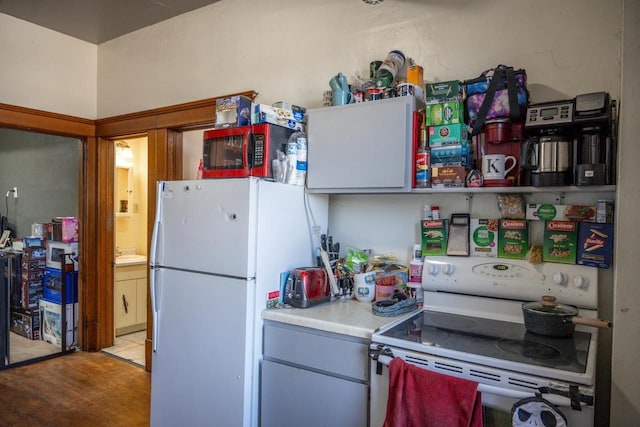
(130, 258)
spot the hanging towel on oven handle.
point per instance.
(499, 92)
(536, 411)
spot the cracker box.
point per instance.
(448, 176)
(451, 155)
(277, 116)
(434, 237)
(595, 244)
(443, 91)
(233, 111)
(448, 134)
(513, 238)
(26, 323)
(297, 111)
(546, 212)
(559, 244)
(444, 113)
(483, 237)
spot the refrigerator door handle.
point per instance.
(157, 228)
(154, 307)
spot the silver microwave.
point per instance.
(55, 252)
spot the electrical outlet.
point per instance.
(15, 192)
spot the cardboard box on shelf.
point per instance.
(595, 244)
(434, 237)
(559, 244)
(513, 238)
(448, 176)
(443, 91)
(451, 155)
(444, 113)
(548, 212)
(233, 111)
(483, 237)
(448, 134)
(296, 111)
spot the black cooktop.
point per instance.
(494, 338)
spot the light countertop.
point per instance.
(347, 317)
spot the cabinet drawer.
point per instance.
(324, 351)
(131, 272)
(292, 396)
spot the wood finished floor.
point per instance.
(78, 389)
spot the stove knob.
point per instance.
(447, 269)
(559, 278)
(433, 269)
(580, 282)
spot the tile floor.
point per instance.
(129, 347)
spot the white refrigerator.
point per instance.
(218, 249)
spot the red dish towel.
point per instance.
(418, 397)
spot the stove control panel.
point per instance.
(512, 279)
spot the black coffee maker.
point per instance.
(595, 143)
(547, 153)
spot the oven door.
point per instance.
(497, 400)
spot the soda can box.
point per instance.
(434, 237)
(448, 176)
(483, 235)
(443, 91)
(297, 111)
(448, 134)
(444, 113)
(559, 244)
(595, 244)
(233, 111)
(451, 155)
(513, 238)
(547, 212)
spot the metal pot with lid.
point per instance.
(551, 319)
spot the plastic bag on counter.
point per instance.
(356, 260)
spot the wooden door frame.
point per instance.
(163, 127)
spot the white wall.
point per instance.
(289, 49)
(46, 70)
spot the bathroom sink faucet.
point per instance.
(118, 251)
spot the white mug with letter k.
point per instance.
(494, 166)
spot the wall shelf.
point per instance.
(491, 190)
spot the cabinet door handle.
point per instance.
(125, 303)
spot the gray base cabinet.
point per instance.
(313, 378)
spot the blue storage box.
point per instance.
(52, 289)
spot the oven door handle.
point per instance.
(516, 394)
(501, 391)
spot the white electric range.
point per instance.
(471, 326)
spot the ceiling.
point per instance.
(97, 21)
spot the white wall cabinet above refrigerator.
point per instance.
(362, 148)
